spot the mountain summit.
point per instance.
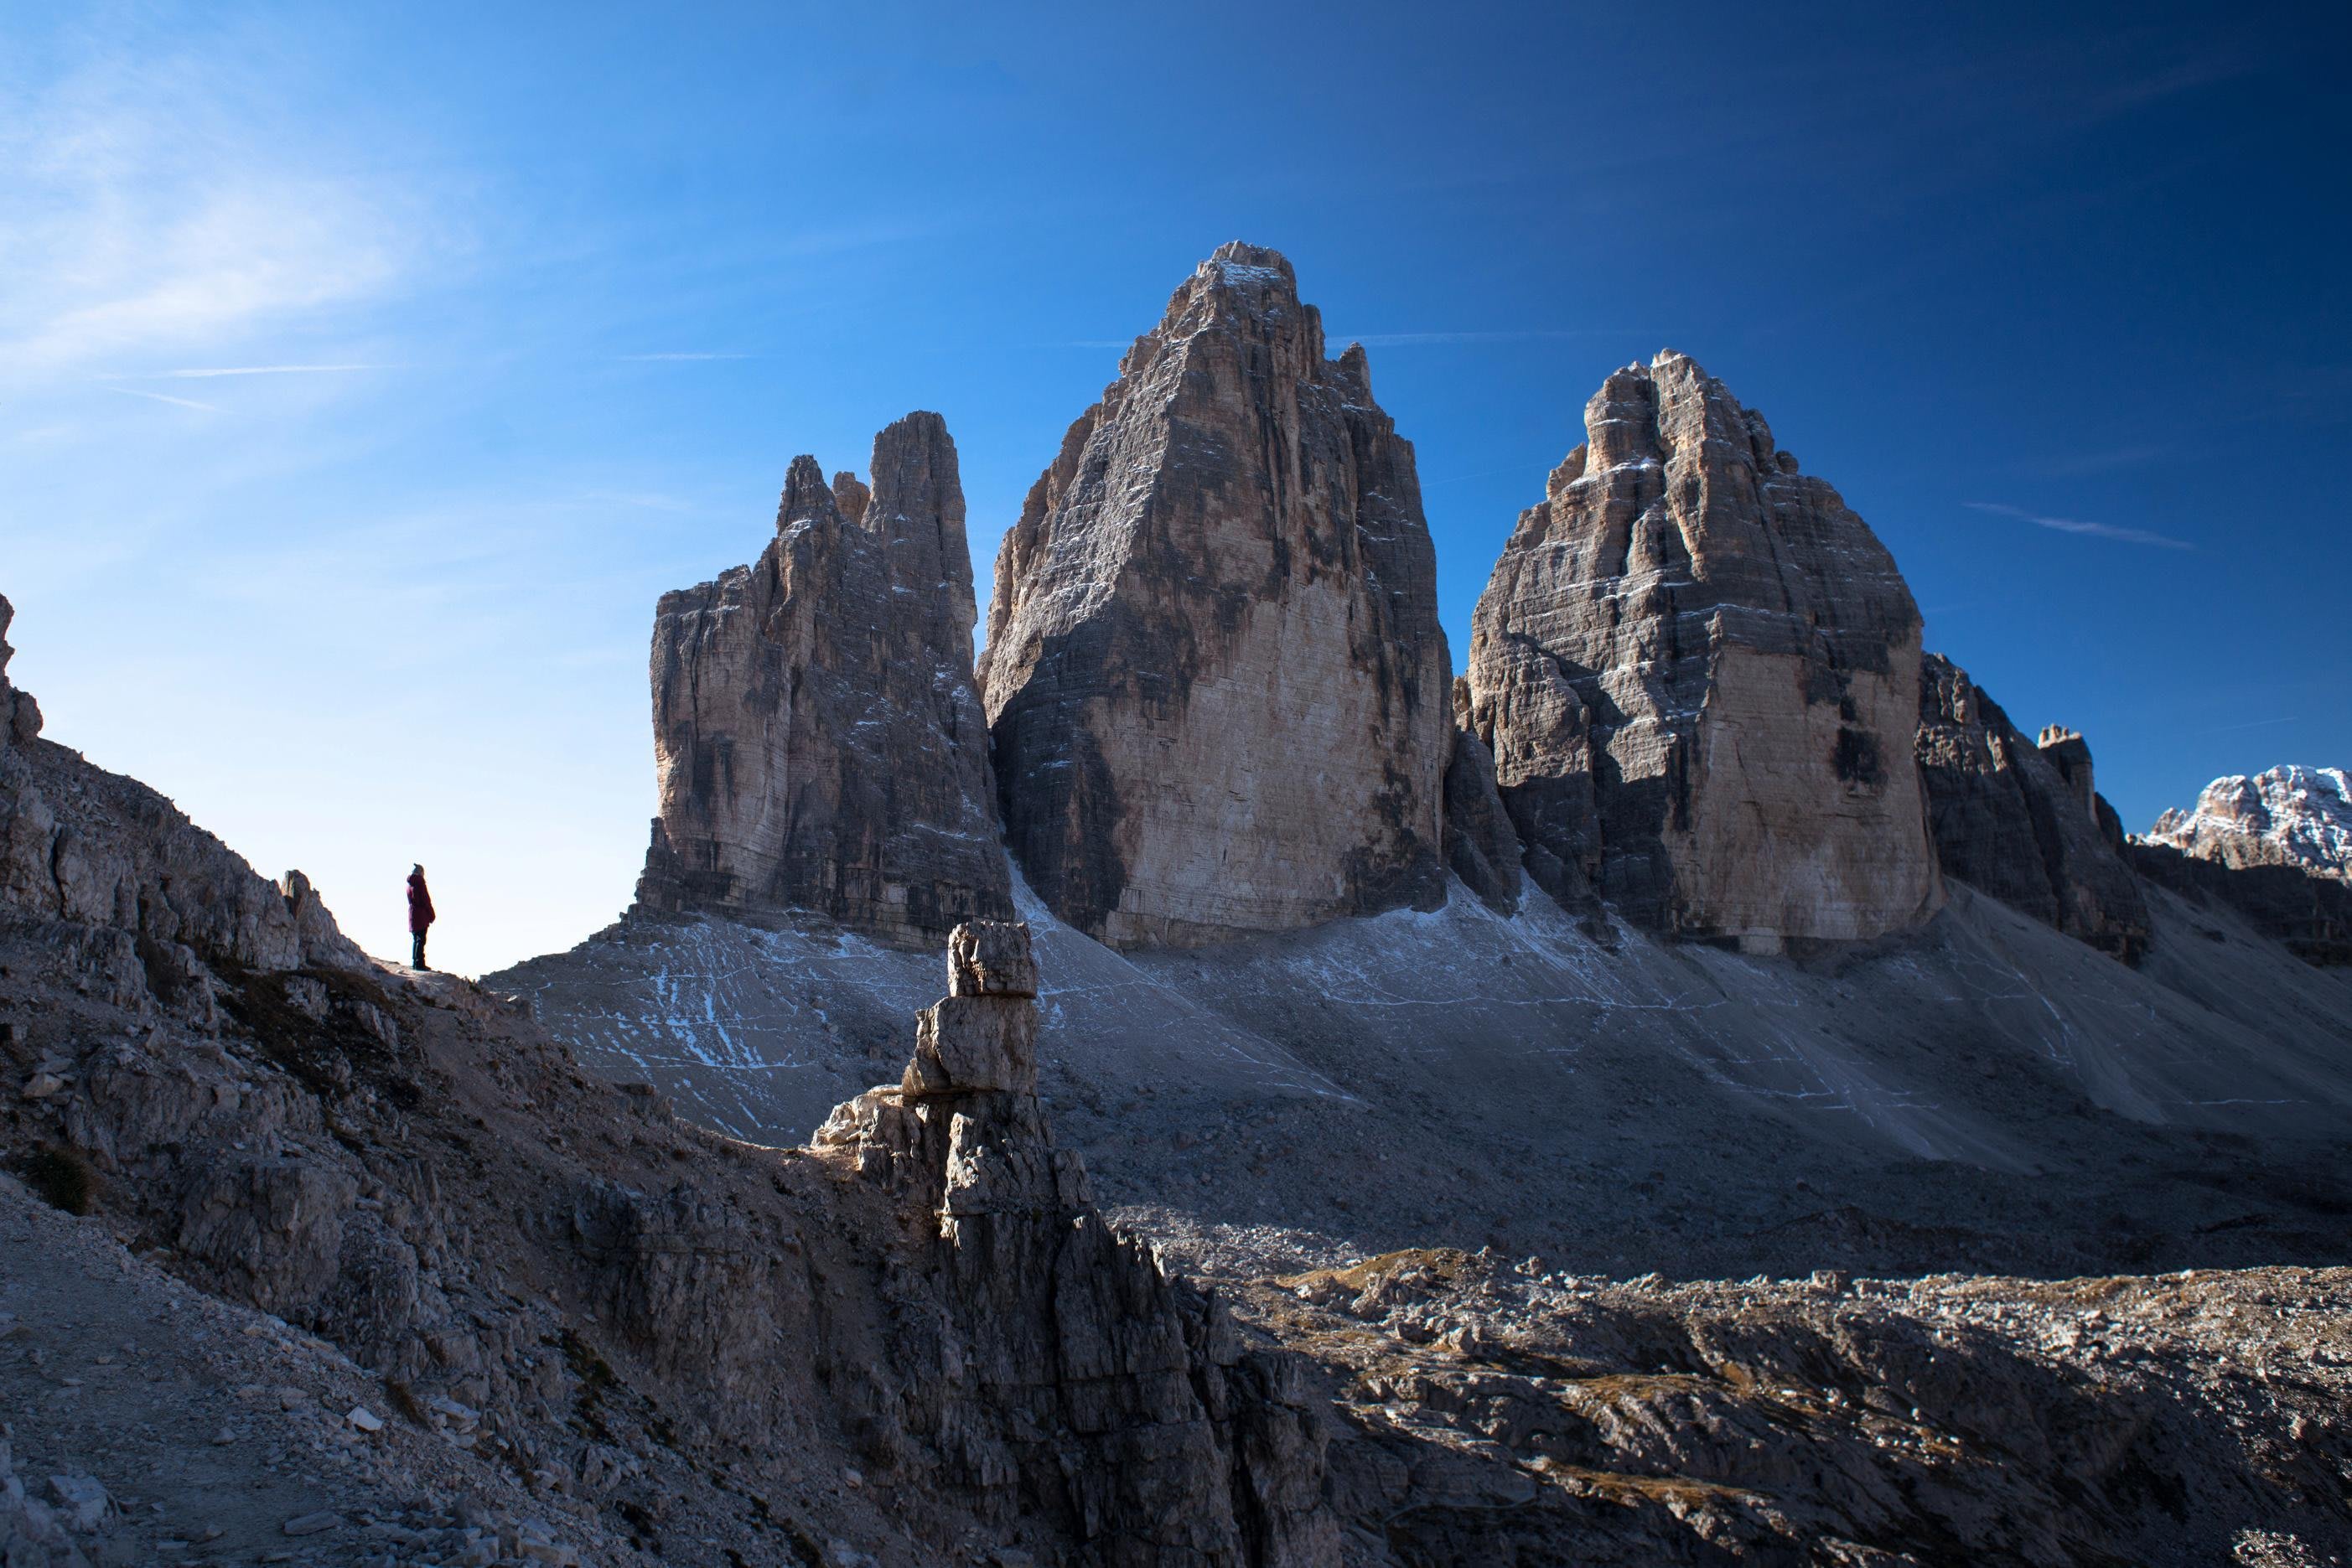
(1219, 692)
(2287, 816)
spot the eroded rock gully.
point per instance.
(1219, 691)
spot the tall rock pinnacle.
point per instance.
(817, 737)
(1700, 674)
(1214, 674)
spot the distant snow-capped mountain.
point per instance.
(2297, 816)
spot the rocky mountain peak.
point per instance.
(818, 742)
(1698, 671)
(2289, 815)
(1215, 674)
(808, 497)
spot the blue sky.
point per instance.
(365, 376)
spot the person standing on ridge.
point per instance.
(420, 914)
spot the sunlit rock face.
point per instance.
(817, 736)
(1214, 674)
(1698, 671)
(2288, 816)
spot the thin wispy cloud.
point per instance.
(266, 371)
(680, 354)
(166, 397)
(2257, 723)
(2077, 526)
(158, 206)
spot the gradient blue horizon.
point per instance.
(366, 378)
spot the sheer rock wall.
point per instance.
(1698, 672)
(818, 738)
(1214, 673)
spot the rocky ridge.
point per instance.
(1698, 672)
(1218, 689)
(819, 744)
(547, 1293)
(2288, 816)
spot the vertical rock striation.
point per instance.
(1697, 673)
(1215, 674)
(817, 736)
(2020, 820)
(1481, 847)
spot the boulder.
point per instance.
(2020, 819)
(1698, 671)
(818, 740)
(1215, 674)
(991, 958)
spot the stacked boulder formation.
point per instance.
(2020, 820)
(1076, 1384)
(817, 736)
(1698, 672)
(1215, 674)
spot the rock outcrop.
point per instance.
(2288, 816)
(1075, 1383)
(1697, 673)
(1214, 673)
(2022, 819)
(817, 736)
(94, 850)
(20, 715)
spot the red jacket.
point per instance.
(420, 903)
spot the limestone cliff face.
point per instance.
(818, 739)
(1215, 674)
(1698, 674)
(2020, 819)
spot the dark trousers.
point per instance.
(417, 939)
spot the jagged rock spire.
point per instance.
(818, 739)
(1214, 674)
(1699, 672)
